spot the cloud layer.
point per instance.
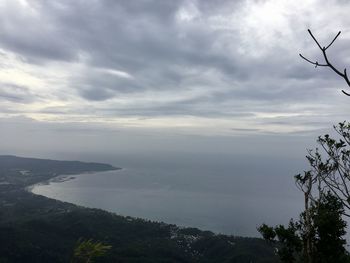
(223, 66)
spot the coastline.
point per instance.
(63, 178)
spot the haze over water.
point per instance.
(206, 105)
(229, 194)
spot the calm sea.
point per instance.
(230, 194)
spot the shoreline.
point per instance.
(60, 178)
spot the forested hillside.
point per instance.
(38, 229)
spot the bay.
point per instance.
(230, 194)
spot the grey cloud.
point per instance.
(96, 86)
(119, 34)
(174, 109)
(15, 93)
(22, 135)
(96, 94)
(245, 130)
(42, 47)
(144, 39)
(35, 37)
(61, 110)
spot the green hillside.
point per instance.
(38, 229)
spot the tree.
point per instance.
(327, 63)
(329, 228)
(326, 232)
(88, 250)
(287, 241)
(320, 229)
(331, 165)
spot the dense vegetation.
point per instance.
(38, 229)
(319, 233)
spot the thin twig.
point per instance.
(314, 63)
(318, 44)
(333, 40)
(328, 64)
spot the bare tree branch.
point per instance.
(318, 44)
(314, 63)
(344, 75)
(332, 40)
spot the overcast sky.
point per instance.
(207, 68)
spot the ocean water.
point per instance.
(230, 194)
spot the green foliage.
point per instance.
(38, 229)
(86, 251)
(329, 228)
(287, 241)
(331, 164)
(327, 234)
(318, 236)
(267, 232)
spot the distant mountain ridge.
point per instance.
(52, 166)
(23, 171)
